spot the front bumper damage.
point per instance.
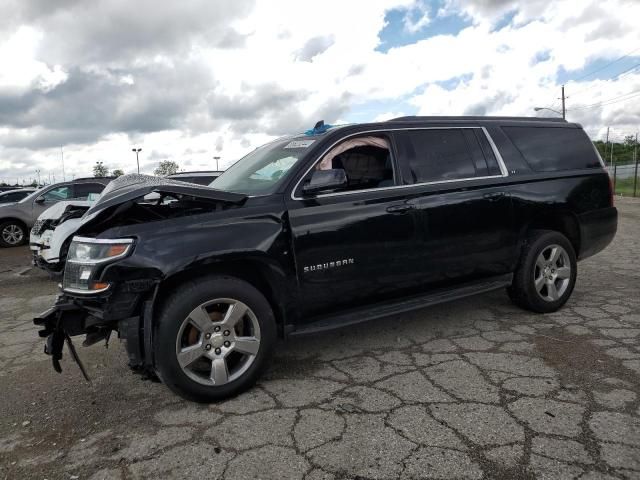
(72, 316)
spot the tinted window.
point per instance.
(492, 162)
(199, 180)
(439, 154)
(82, 190)
(13, 197)
(549, 149)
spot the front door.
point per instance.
(49, 198)
(356, 245)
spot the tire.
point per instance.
(12, 234)
(542, 282)
(212, 350)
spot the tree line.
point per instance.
(165, 167)
(623, 152)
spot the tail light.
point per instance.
(611, 191)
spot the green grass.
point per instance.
(624, 186)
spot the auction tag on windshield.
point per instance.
(299, 144)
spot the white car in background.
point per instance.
(51, 234)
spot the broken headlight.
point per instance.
(84, 259)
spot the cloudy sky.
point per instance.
(195, 79)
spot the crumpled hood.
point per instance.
(130, 187)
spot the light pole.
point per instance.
(537, 109)
(38, 172)
(216, 159)
(137, 151)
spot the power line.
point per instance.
(621, 74)
(605, 66)
(610, 101)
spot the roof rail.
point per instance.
(417, 118)
(92, 178)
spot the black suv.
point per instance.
(329, 228)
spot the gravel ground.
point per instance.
(473, 389)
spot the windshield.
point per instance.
(261, 171)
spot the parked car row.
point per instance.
(13, 195)
(53, 231)
(328, 228)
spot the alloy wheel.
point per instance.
(12, 234)
(218, 342)
(552, 273)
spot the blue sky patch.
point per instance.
(394, 34)
(596, 66)
(453, 82)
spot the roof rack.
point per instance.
(91, 178)
(417, 118)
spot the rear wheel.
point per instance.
(12, 234)
(546, 274)
(214, 338)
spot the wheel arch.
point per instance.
(562, 221)
(265, 275)
(17, 220)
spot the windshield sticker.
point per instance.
(299, 144)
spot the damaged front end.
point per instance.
(117, 260)
(96, 304)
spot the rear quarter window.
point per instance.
(552, 149)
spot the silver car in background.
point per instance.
(16, 219)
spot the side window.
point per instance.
(12, 197)
(366, 161)
(58, 193)
(83, 190)
(492, 162)
(550, 149)
(439, 154)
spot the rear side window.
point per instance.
(199, 180)
(83, 190)
(550, 149)
(13, 197)
(434, 155)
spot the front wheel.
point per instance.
(213, 338)
(12, 234)
(546, 274)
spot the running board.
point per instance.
(378, 310)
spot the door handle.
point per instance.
(403, 208)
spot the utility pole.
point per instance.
(64, 178)
(615, 168)
(38, 172)
(564, 111)
(606, 144)
(635, 157)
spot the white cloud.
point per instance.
(283, 68)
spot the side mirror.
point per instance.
(323, 180)
(40, 199)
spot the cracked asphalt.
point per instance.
(473, 389)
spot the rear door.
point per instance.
(463, 211)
